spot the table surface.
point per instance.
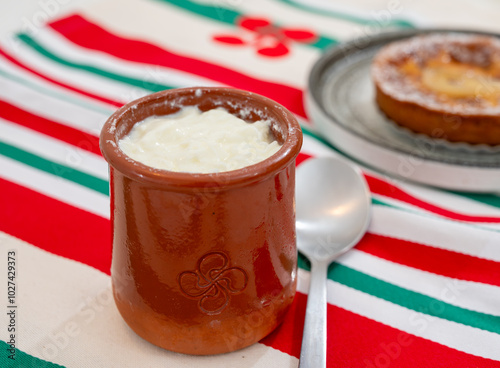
(421, 289)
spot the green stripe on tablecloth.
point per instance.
(22, 359)
(230, 16)
(216, 12)
(417, 302)
(141, 83)
(489, 199)
(60, 96)
(63, 171)
(382, 23)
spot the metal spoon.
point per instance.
(333, 212)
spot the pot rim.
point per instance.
(136, 170)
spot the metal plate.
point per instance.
(341, 105)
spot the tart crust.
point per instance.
(444, 85)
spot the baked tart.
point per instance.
(444, 85)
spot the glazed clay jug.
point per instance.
(203, 263)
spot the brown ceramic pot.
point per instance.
(203, 263)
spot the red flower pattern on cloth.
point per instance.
(266, 38)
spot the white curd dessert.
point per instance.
(199, 142)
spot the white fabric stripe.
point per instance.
(360, 9)
(61, 92)
(55, 187)
(404, 205)
(159, 18)
(53, 149)
(68, 312)
(50, 290)
(315, 148)
(334, 27)
(95, 84)
(50, 107)
(118, 346)
(454, 335)
(464, 294)
(60, 46)
(450, 201)
(436, 232)
(417, 210)
(425, 13)
(484, 16)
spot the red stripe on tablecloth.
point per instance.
(48, 127)
(430, 259)
(82, 32)
(386, 189)
(357, 341)
(56, 82)
(301, 158)
(55, 226)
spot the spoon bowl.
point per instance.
(333, 207)
(333, 212)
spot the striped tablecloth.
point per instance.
(422, 288)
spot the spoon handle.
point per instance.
(313, 351)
